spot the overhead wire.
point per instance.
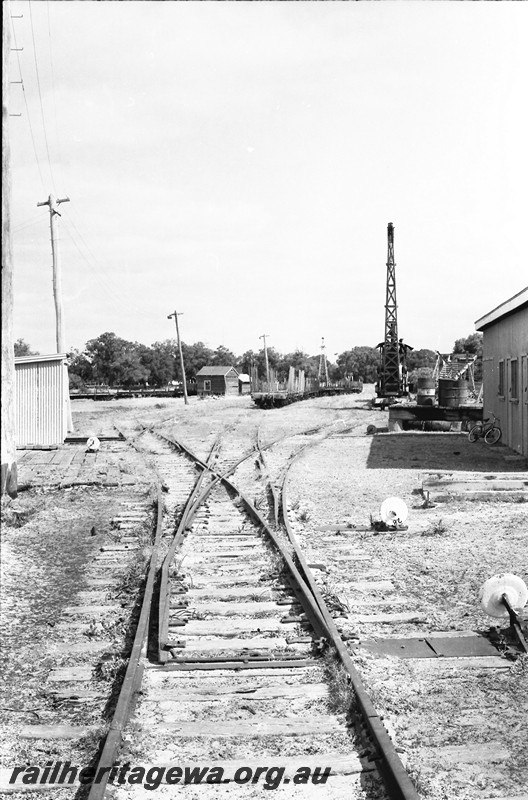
(27, 224)
(40, 98)
(57, 134)
(27, 108)
(117, 291)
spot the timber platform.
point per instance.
(412, 416)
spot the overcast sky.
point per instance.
(240, 162)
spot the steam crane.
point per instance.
(392, 377)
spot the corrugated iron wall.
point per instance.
(40, 403)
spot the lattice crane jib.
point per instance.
(323, 365)
(390, 357)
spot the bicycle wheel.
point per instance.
(492, 436)
(475, 433)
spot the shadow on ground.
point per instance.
(437, 451)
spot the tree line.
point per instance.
(109, 359)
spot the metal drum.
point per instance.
(453, 393)
(425, 391)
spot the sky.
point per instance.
(239, 162)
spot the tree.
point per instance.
(22, 348)
(471, 344)
(80, 369)
(161, 362)
(115, 361)
(223, 357)
(359, 363)
(274, 359)
(195, 356)
(247, 361)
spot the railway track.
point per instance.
(242, 667)
(246, 670)
(445, 692)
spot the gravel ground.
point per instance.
(437, 565)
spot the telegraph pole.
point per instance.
(57, 293)
(266, 358)
(57, 277)
(175, 315)
(8, 444)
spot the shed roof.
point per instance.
(216, 371)
(515, 303)
(36, 359)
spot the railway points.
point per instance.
(218, 663)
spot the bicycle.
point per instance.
(487, 430)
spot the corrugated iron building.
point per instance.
(41, 400)
(216, 381)
(505, 368)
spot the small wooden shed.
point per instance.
(41, 400)
(244, 383)
(216, 381)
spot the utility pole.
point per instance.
(266, 358)
(323, 362)
(57, 277)
(8, 445)
(57, 293)
(175, 315)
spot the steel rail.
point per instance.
(394, 774)
(296, 580)
(195, 499)
(134, 670)
(396, 779)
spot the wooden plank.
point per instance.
(227, 608)
(69, 674)
(390, 618)
(247, 577)
(448, 756)
(93, 611)
(88, 596)
(78, 694)
(255, 644)
(229, 626)
(256, 692)
(258, 726)
(485, 485)
(230, 591)
(113, 548)
(211, 556)
(475, 662)
(89, 646)
(506, 496)
(56, 731)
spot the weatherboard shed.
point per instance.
(505, 368)
(41, 400)
(216, 381)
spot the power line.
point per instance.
(28, 224)
(27, 108)
(57, 135)
(40, 97)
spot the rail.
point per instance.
(397, 780)
(134, 671)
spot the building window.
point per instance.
(207, 386)
(514, 379)
(501, 378)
